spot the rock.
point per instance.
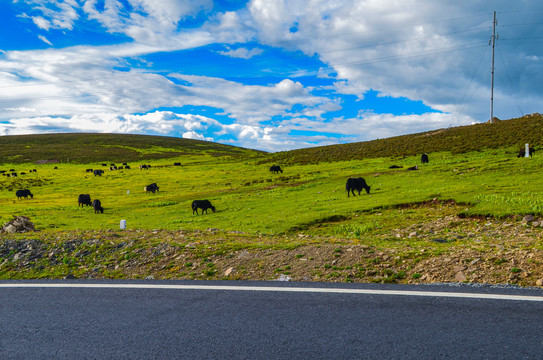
(473, 262)
(19, 224)
(460, 276)
(9, 228)
(243, 254)
(528, 218)
(413, 234)
(539, 282)
(228, 271)
(70, 276)
(459, 268)
(284, 277)
(150, 277)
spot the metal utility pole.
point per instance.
(493, 39)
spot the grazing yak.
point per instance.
(97, 206)
(151, 188)
(416, 167)
(177, 164)
(356, 184)
(522, 153)
(275, 169)
(24, 194)
(84, 199)
(98, 172)
(395, 167)
(201, 204)
(424, 159)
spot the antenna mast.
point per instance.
(493, 39)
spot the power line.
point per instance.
(513, 89)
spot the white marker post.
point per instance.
(527, 150)
(123, 224)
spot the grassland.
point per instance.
(248, 198)
(416, 226)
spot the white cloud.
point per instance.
(145, 21)
(56, 14)
(44, 39)
(406, 49)
(195, 136)
(242, 53)
(41, 23)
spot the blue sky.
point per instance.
(265, 74)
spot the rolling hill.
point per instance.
(84, 148)
(512, 133)
(91, 147)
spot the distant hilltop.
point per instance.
(95, 147)
(513, 134)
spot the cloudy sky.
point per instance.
(265, 74)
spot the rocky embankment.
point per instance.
(451, 249)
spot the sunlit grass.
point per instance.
(249, 198)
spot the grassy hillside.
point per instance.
(87, 148)
(463, 210)
(511, 134)
(250, 199)
(489, 179)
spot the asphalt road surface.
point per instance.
(266, 320)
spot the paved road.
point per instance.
(286, 321)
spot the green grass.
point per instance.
(307, 198)
(88, 148)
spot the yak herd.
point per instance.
(353, 185)
(85, 199)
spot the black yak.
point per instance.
(356, 184)
(424, 159)
(84, 199)
(151, 188)
(275, 169)
(97, 205)
(24, 194)
(522, 153)
(201, 204)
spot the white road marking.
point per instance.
(438, 294)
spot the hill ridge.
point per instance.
(513, 133)
(98, 147)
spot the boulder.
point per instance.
(19, 224)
